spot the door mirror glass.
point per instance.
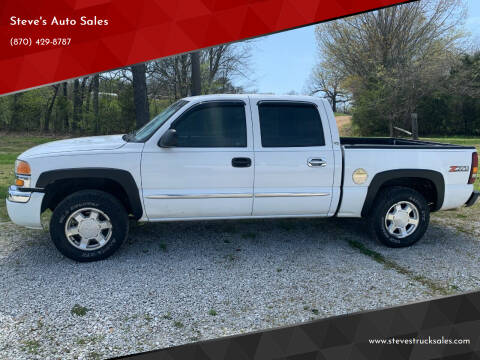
(169, 139)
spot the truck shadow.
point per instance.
(443, 253)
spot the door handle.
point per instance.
(317, 162)
(241, 162)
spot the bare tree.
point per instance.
(404, 50)
(96, 80)
(140, 98)
(172, 77)
(327, 80)
(50, 103)
(65, 95)
(182, 75)
(196, 75)
(223, 63)
(77, 104)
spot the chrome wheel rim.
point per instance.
(402, 219)
(88, 229)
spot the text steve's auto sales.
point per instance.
(54, 21)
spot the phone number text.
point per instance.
(16, 41)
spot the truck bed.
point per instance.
(382, 143)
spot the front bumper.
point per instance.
(473, 198)
(24, 208)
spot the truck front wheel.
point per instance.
(89, 225)
(399, 217)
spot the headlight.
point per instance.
(22, 172)
(22, 168)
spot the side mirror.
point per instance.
(168, 139)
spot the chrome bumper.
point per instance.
(24, 207)
(18, 196)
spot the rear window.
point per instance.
(287, 124)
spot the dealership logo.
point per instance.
(459, 168)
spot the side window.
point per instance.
(213, 125)
(284, 124)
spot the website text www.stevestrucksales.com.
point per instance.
(419, 341)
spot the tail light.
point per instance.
(473, 169)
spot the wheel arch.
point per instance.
(428, 182)
(60, 183)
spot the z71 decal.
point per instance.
(459, 168)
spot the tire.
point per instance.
(395, 211)
(89, 225)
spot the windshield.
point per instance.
(153, 125)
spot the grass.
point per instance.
(94, 356)
(12, 145)
(178, 324)
(434, 287)
(7, 158)
(31, 346)
(458, 140)
(7, 178)
(79, 310)
(93, 339)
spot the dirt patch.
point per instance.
(344, 124)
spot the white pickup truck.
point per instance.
(236, 157)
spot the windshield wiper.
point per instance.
(128, 137)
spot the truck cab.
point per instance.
(245, 156)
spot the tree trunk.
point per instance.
(334, 103)
(184, 73)
(196, 78)
(140, 98)
(65, 95)
(415, 126)
(82, 98)
(89, 91)
(48, 114)
(96, 83)
(390, 124)
(76, 105)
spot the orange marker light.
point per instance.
(19, 182)
(22, 167)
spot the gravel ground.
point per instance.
(174, 283)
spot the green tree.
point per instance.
(403, 50)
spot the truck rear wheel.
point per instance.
(399, 217)
(89, 225)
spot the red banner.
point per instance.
(43, 42)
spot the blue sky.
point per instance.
(282, 62)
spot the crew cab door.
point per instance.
(294, 160)
(209, 172)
